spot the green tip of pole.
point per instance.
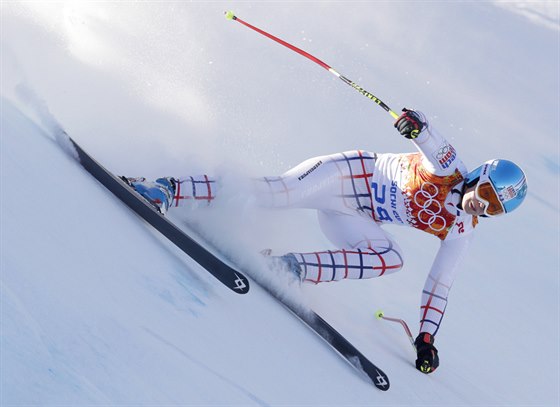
(229, 15)
(379, 314)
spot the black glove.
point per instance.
(409, 124)
(427, 355)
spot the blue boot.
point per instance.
(293, 265)
(159, 193)
(286, 263)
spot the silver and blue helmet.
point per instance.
(500, 184)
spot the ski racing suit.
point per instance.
(356, 192)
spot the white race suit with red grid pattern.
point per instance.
(355, 192)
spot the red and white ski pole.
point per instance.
(380, 315)
(231, 16)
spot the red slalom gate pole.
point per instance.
(231, 16)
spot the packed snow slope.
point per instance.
(97, 309)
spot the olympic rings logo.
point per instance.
(430, 208)
(443, 151)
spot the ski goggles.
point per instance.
(486, 194)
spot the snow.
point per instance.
(97, 309)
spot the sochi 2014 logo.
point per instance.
(430, 208)
(445, 155)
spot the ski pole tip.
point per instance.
(229, 15)
(379, 314)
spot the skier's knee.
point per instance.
(385, 261)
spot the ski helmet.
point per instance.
(500, 184)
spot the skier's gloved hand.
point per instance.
(409, 124)
(427, 355)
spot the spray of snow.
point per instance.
(41, 111)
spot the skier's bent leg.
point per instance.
(366, 251)
(361, 263)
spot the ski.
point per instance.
(319, 326)
(231, 278)
(339, 343)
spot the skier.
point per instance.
(356, 192)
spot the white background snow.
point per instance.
(97, 309)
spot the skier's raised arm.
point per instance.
(439, 156)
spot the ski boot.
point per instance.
(159, 193)
(287, 263)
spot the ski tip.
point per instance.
(379, 314)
